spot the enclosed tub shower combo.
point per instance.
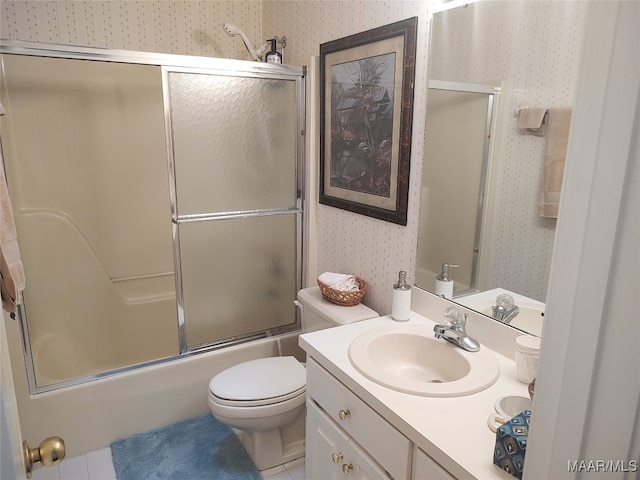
(158, 201)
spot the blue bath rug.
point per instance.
(199, 448)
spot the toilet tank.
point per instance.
(318, 313)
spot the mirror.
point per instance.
(528, 53)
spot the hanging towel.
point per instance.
(554, 156)
(11, 270)
(532, 120)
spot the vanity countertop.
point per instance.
(453, 431)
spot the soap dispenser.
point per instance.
(273, 56)
(444, 283)
(401, 302)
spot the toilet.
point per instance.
(265, 398)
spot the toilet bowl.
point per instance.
(265, 398)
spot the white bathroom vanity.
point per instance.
(357, 428)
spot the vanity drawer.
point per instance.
(377, 436)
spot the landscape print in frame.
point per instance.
(366, 96)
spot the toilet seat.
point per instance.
(259, 382)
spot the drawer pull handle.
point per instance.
(336, 457)
(346, 468)
(344, 414)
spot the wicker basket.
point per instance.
(339, 297)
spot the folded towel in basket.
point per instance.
(340, 281)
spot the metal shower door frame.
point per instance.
(248, 70)
(170, 61)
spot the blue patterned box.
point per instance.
(511, 444)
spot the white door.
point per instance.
(11, 459)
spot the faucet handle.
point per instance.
(505, 301)
(454, 317)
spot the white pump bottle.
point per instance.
(444, 283)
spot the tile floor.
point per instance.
(97, 465)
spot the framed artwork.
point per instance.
(366, 100)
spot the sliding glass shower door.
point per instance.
(128, 262)
(237, 211)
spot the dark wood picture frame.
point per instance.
(366, 104)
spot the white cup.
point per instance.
(527, 357)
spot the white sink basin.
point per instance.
(409, 359)
(529, 319)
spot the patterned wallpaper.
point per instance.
(181, 27)
(347, 242)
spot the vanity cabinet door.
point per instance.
(326, 446)
(332, 455)
(362, 466)
(425, 467)
(371, 431)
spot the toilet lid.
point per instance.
(264, 378)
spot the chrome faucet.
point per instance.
(455, 331)
(505, 308)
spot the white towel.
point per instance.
(11, 270)
(339, 281)
(533, 120)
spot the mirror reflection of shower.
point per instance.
(455, 234)
(257, 54)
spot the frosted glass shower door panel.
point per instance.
(238, 276)
(234, 142)
(85, 154)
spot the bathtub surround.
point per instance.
(127, 250)
(91, 416)
(197, 448)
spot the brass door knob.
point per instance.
(336, 457)
(50, 452)
(344, 414)
(346, 468)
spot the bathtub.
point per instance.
(56, 359)
(91, 415)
